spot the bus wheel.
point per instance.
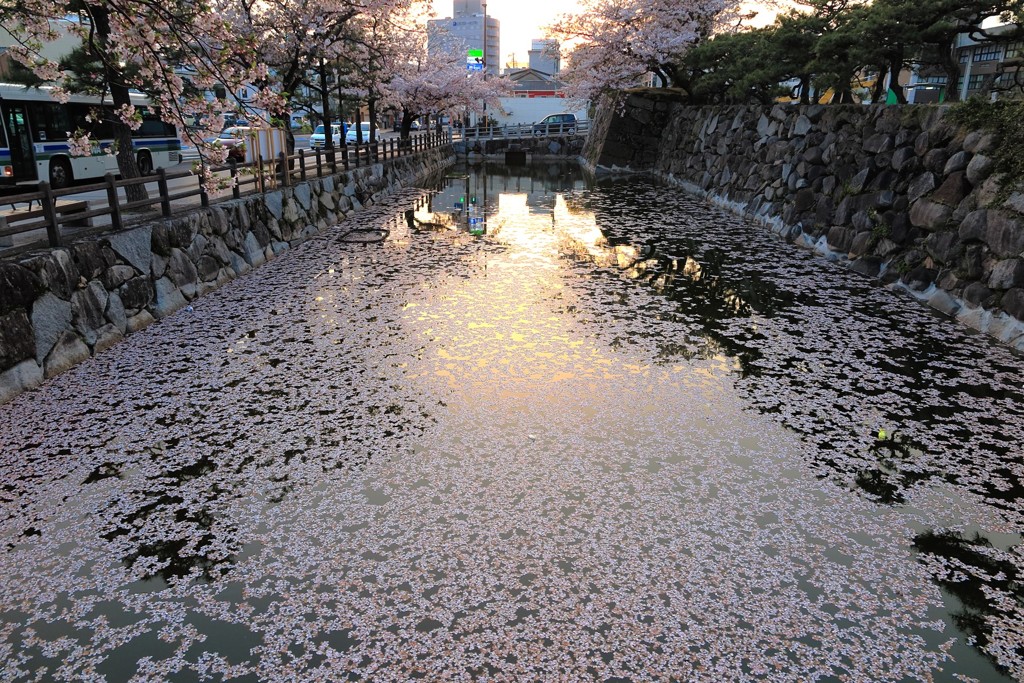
(60, 173)
(145, 163)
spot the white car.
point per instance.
(318, 139)
(350, 136)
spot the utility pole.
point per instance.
(486, 63)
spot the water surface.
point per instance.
(619, 435)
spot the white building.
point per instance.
(466, 27)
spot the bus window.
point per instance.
(50, 122)
(101, 129)
(152, 126)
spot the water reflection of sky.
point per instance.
(620, 436)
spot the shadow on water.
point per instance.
(171, 537)
(978, 578)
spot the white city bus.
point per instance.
(34, 131)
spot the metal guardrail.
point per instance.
(57, 211)
(523, 130)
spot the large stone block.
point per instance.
(929, 215)
(19, 287)
(68, 352)
(89, 259)
(17, 339)
(1007, 274)
(1004, 234)
(115, 276)
(878, 143)
(979, 169)
(51, 316)
(180, 269)
(953, 189)
(840, 238)
(115, 312)
(87, 314)
(944, 247)
(22, 377)
(134, 246)
(957, 162)
(1013, 303)
(136, 293)
(56, 271)
(168, 298)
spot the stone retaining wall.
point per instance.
(544, 147)
(61, 306)
(894, 192)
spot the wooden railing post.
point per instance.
(319, 164)
(204, 196)
(235, 190)
(115, 206)
(302, 164)
(286, 175)
(165, 200)
(50, 212)
(344, 156)
(357, 155)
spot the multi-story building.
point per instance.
(544, 56)
(984, 65)
(466, 27)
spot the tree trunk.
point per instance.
(878, 94)
(894, 81)
(406, 128)
(123, 144)
(952, 69)
(325, 103)
(372, 106)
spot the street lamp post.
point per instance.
(486, 64)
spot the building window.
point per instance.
(987, 53)
(975, 81)
(1015, 49)
(963, 56)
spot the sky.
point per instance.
(521, 21)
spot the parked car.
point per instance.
(350, 136)
(556, 124)
(233, 139)
(318, 139)
(415, 125)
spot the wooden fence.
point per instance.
(61, 215)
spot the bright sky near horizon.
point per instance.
(521, 21)
(524, 20)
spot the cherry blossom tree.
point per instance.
(436, 82)
(150, 45)
(617, 42)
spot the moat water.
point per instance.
(618, 435)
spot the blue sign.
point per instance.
(475, 67)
